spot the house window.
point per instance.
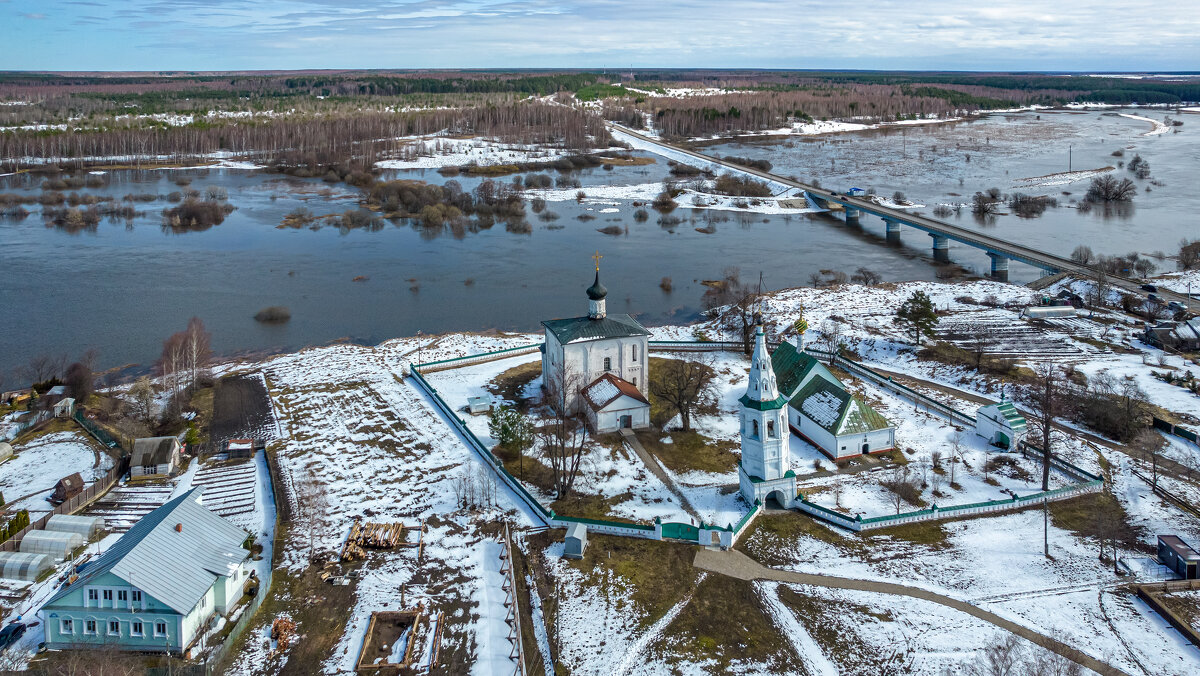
(89, 626)
(137, 595)
(108, 595)
(149, 469)
(114, 628)
(123, 596)
(608, 363)
(66, 626)
(771, 429)
(135, 628)
(160, 628)
(94, 596)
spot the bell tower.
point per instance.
(764, 468)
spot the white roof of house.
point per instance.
(176, 565)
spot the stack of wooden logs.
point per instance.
(365, 536)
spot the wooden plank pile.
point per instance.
(364, 536)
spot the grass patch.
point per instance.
(1097, 515)
(590, 506)
(628, 161)
(691, 451)
(928, 533)
(528, 470)
(772, 538)
(725, 623)
(509, 384)
(660, 573)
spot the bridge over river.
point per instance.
(942, 233)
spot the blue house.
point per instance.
(157, 587)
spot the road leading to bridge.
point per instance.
(993, 246)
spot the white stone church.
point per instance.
(598, 365)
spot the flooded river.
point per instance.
(122, 288)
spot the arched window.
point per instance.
(771, 429)
(608, 363)
(755, 428)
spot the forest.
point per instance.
(354, 118)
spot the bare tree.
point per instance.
(1082, 254)
(1002, 657)
(733, 302)
(197, 351)
(41, 368)
(1148, 445)
(141, 396)
(831, 335)
(957, 442)
(1046, 392)
(564, 436)
(685, 385)
(312, 500)
(979, 339)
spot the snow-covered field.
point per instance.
(1180, 282)
(27, 479)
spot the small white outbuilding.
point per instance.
(576, 541)
(1001, 424)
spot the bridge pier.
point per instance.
(941, 248)
(999, 267)
(892, 228)
(852, 216)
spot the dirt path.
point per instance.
(736, 564)
(652, 464)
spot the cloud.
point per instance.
(936, 34)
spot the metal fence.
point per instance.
(96, 431)
(72, 505)
(886, 382)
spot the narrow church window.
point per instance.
(771, 429)
(755, 432)
(608, 363)
(635, 381)
(635, 352)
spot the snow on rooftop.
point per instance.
(823, 408)
(602, 392)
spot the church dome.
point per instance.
(597, 291)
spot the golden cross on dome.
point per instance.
(596, 257)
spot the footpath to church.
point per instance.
(651, 464)
(733, 563)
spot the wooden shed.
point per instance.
(576, 541)
(66, 488)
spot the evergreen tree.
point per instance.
(917, 316)
(510, 428)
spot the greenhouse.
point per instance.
(56, 544)
(86, 527)
(23, 566)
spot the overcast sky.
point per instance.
(1106, 35)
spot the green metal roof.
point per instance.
(792, 367)
(1015, 420)
(576, 329)
(835, 410)
(777, 402)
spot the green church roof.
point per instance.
(835, 410)
(791, 367)
(577, 329)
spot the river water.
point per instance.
(123, 288)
